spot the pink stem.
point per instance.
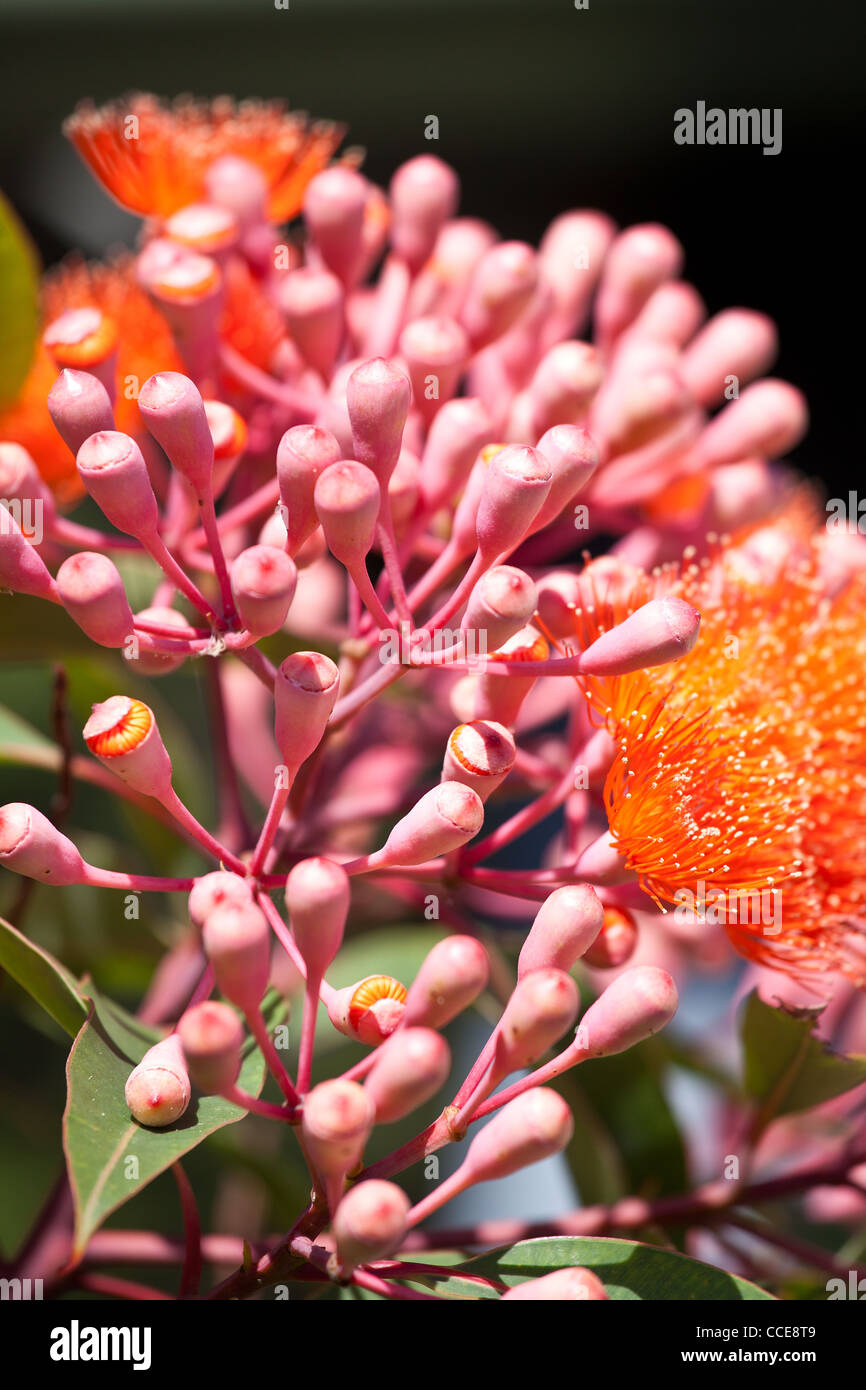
(308, 1034)
(259, 1030)
(173, 803)
(191, 1274)
(389, 309)
(157, 548)
(368, 1280)
(72, 534)
(523, 820)
(209, 523)
(142, 883)
(271, 825)
(261, 384)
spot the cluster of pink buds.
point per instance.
(394, 485)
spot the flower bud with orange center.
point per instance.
(370, 1010)
(188, 289)
(480, 755)
(229, 433)
(501, 697)
(123, 734)
(615, 942)
(211, 1036)
(158, 1089)
(208, 228)
(85, 340)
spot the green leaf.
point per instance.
(43, 977)
(99, 1136)
(15, 732)
(19, 304)
(629, 1271)
(785, 1066)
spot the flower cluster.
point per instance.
(387, 433)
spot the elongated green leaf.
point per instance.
(785, 1066)
(109, 1156)
(15, 731)
(43, 977)
(19, 304)
(629, 1271)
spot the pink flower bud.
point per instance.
(563, 386)
(338, 1117)
(639, 260)
(559, 595)
(570, 259)
(91, 590)
(158, 1090)
(404, 487)
(22, 568)
(453, 974)
(347, 500)
(188, 289)
(334, 206)
(501, 603)
(435, 351)
(370, 1222)
(443, 819)
(615, 942)
(312, 305)
(480, 755)
(237, 942)
(659, 632)
(32, 846)
(573, 458)
(306, 691)
(516, 486)
(173, 410)
(123, 734)
(767, 420)
(501, 697)
(370, 1010)
(211, 1036)
(159, 663)
(20, 480)
(543, 1005)
(85, 339)
(634, 1006)
(218, 889)
(501, 288)
(423, 195)
(113, 470)
(560, 1286)
(457, 433)
(530, 1128)
(377, 398)
(318, 894)
(238, 185)
(737, 342)
(672, 314)
(565, 927)
(409, 1069)
(228, 431)
(303, 452)
(263, 584)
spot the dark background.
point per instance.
(541, 107)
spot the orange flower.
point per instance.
(742, 767)
(152, 157)
(145, 346)
(250, 322)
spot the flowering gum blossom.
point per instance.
(305, 692)
(370, 1010)
(480, 755)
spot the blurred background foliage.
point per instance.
(541, 107)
